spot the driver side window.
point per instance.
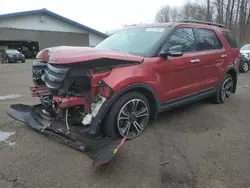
(184, 37)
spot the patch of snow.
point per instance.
(5, 135)
(87, 119)
(12, 96)
(95, 107)
(10, 143)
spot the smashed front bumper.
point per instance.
(100, 149)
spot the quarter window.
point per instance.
(184, 37)
(208, 40)
(231, 41)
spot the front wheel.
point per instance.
(23, 61)
(128, 117)
(226, 89)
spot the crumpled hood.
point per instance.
(72, 54)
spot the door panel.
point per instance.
(212, 55)
(210, 63)
(179, 76)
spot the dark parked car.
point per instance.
(12, 56)
(1, 57)
(92, 96)
(244, 64)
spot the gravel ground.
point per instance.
(201, 145)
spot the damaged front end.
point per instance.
(71, 97)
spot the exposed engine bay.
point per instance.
(65, 93)
(70, 91)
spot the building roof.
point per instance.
(52, 14)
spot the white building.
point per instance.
(46, 29)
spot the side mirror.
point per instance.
(174, 51)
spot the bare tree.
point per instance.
(208, 11)
(174, 14)
(231, 15)
(235, 14)
(163, 14)
(194, 11)
(228, 13)
(242, 20)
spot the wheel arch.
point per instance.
(144, 89)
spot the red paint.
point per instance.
(44, 55)
(104, 92)
(176, 76)
(68, 54)
(170, 78)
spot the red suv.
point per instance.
(130, 77)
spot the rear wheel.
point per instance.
(128, 117)
(226, 89)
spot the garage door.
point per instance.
(8, 34)
(48, 39)
(45, 38)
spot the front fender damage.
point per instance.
(73, 103)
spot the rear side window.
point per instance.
(208, 40)
(230, 39)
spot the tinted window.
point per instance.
(230, 39)
(184, 37)
(12, 51)
(208, 40)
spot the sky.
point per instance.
(102, 15)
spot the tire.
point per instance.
(244, 67)
(222, 95)
(23, 61)
(121, 116)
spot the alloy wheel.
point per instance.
(227, 89)
(133, 118)
(245, 67)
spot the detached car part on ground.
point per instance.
(96, 98)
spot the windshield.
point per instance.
(12, 51)
(137, 41)
(246, 47)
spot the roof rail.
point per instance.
(202, 22)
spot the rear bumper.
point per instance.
(100, 149)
